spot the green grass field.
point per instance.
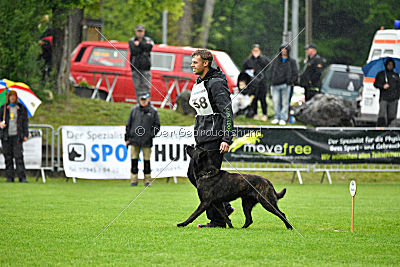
(56, 224)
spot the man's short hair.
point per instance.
(204, 55)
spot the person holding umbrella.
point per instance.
(388, 82)
(14, 131)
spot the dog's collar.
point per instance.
(208, 174)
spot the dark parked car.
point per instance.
(343, 80)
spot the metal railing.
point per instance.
(47, 149)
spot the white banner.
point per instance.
(99, 152)
(168, 156)
(32, 151)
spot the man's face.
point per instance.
(144, 102)
(390, 65)
(198, 65)
(139, 34)
(310, 52)
(13, 98)
(284, 52)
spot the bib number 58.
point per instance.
(201, 104)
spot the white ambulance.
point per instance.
(386, 43)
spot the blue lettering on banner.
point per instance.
(124, 151)
(107, 151)
(121, 152)
(95, 153)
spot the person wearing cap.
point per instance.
(14, 131)
(310, 78)
(388, 82)
(256, 65)
(142, 126)
(283, 76)
(140, 47)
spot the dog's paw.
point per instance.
(181, 224)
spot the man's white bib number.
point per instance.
(199, 100)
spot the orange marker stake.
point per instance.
(353, 190)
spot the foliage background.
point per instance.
(342, 29)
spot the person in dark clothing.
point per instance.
(310, 79)
(256, 64)
(140, 47)
(142, 126)
(46, 43)
(213, 127)
(283, 76)
(388, 82)
(14, 131)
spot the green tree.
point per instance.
(19, 47)
(120, 17)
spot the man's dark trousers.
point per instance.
(387, 112)
(212, 213)
(309, 92)
(12, 148)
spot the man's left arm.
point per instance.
(156, 124)
(147, 44)
(295, 71)
(318, 68)
(221, 95)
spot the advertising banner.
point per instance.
(311, 146)
(32, 151)
(99, 152)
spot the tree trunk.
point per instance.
(206, 22)
(185, 24)
(66, 36)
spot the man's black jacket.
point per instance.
(311, 76)
(140, 55)
(391, 78)
(283, 73)
(219, 125)
(22, 122)
(142, 126)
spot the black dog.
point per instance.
(214, 185)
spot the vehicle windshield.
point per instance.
(227, 64)
(107, 57)
(349, 81)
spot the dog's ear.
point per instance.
(190, 150)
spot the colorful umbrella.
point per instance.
(25, 95)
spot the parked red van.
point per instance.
(169, 64)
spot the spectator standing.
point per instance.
(388, 82)
(310, 79)
(256, 64)
(283, 76)
(140, 47)
(14, 131)
(46, 43)
(142, 126)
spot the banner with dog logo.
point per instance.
(32, 150)
(95, 152)
(99, 152)
(291, 145)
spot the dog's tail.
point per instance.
(281, 194)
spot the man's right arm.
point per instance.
(379, 80)
(131, 45)
(128, 125)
